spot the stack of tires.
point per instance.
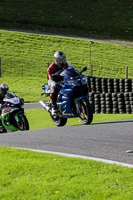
(131, 101)
(97, 105)
(104, 85)
(108, 95)
(121, 105)
(116, 85)
(98, 85)
(103, 102)
(92, 84)
(108, 102)
(127, 103)
(110, 85)
(91, 100)
(115, 109)
(121, 85)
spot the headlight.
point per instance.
(84, 80)
(12, 105)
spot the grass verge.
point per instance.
(39, 118)
(31, 175)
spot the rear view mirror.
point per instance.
(83, 70)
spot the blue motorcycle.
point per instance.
(72, 98)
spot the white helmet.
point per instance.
(60, 58)
(4, 89)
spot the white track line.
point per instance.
(80, 156)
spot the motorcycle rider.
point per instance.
(54, 77)
(3, 91)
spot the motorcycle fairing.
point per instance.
(65, 106)
(9, 127)
(14, 100)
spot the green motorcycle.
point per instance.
(12, 115)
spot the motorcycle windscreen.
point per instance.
(12, 98)
(70, 72)
(10, 95)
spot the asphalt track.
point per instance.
(102, 141)
(33, 105)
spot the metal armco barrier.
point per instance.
(108, 95)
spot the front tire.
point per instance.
(23, 123)
(59, 121)
(86, 113)
(2, 129)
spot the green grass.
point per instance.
(28, 88)
(27, 55)
(37, 122)
(39, 176)
(104, 19)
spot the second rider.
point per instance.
(54, 77)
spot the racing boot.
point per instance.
(54, 107)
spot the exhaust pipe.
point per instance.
(44, 105)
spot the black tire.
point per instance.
(130, 98)
(59, 121)
(86, 115)
(115, 110)
(23, 123)
(2, 129)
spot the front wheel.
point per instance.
(2, 129)
(22, 122)
(86, 113)
(59, 121)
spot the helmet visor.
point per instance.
(61, 61)
(4, 91)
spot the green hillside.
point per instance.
(28, 55)
(97, 18)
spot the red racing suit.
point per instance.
(52, 69)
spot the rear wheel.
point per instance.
(22, 122)
(59, 121)
(86, 113)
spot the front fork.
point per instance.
(77, 102)
(77, 105)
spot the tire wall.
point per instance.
(108, 95)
